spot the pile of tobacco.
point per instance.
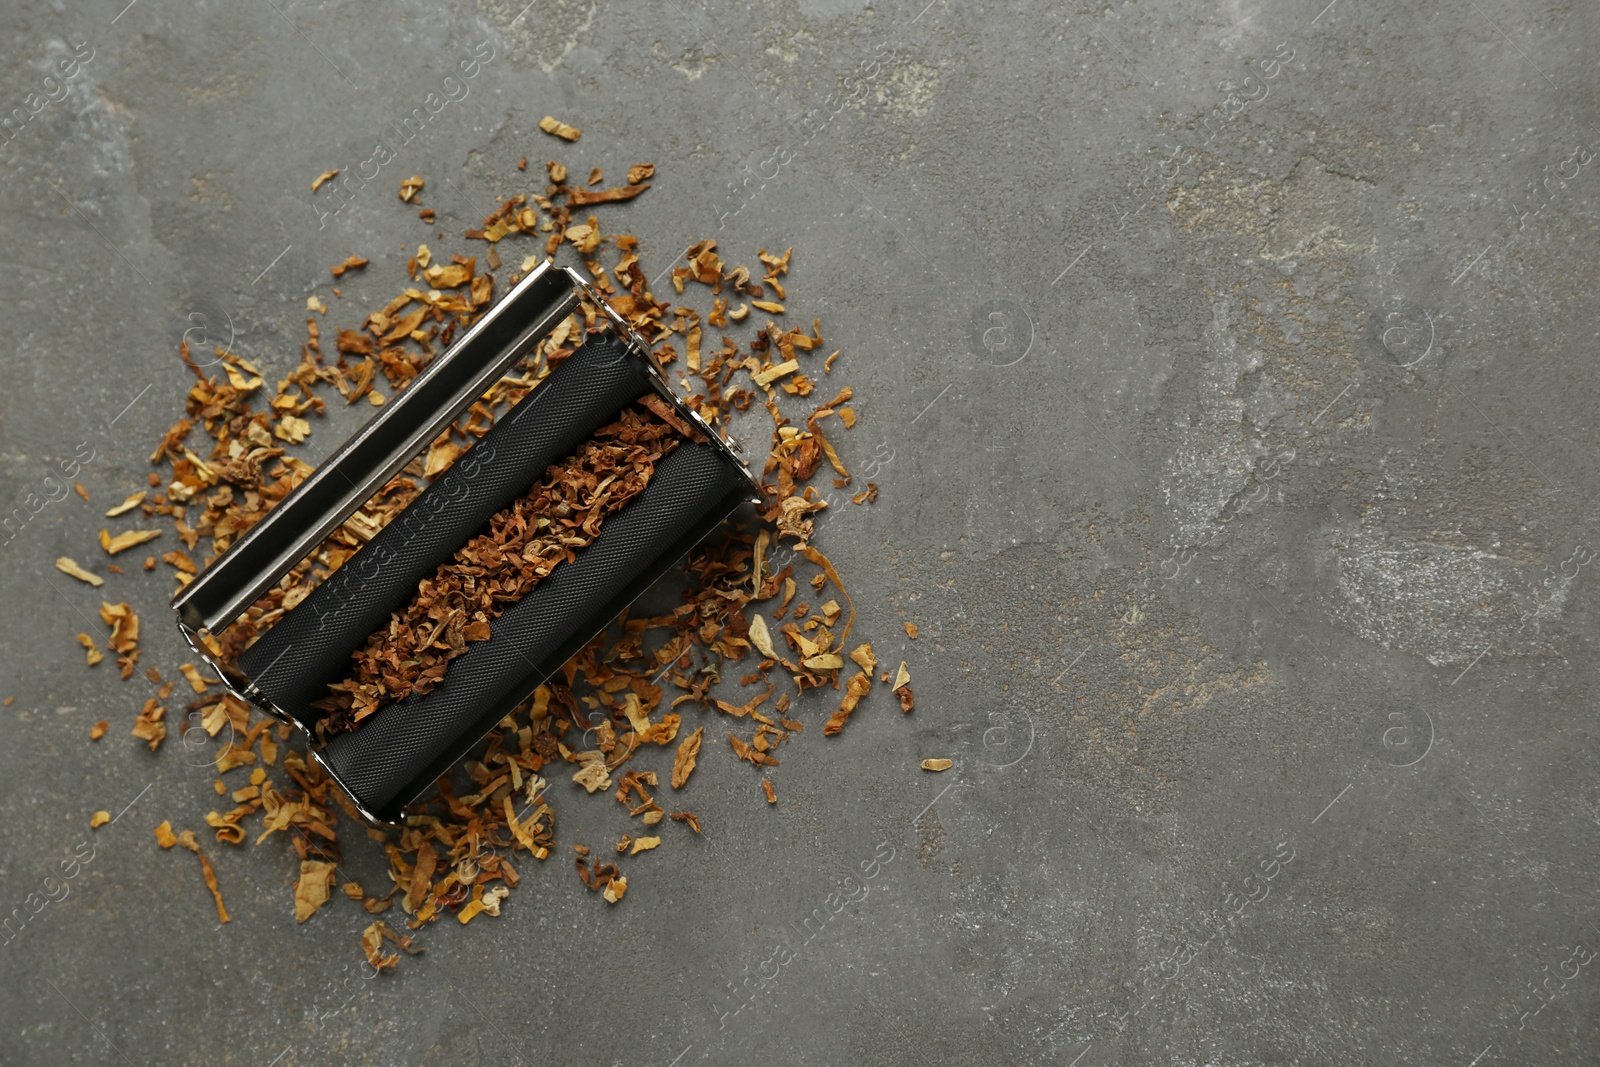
(231, 457)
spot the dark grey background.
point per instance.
(1240, 476)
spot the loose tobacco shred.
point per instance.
(186, 839)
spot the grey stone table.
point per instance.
(1228, 373)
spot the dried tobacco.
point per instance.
(232, 456)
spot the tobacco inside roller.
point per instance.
(294, 661)
(522, 544)
(407, 745)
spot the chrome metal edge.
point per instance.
(663, 386)
(256, 698)
(212, 600)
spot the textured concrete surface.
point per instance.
(1228, 372)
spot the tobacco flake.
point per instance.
(197, 683)
(133, 501)
(855, 689)
(559, 129)
(350, 263)
(95, 655)
(593, 776)
(683, 763)
(186, 839)
(68, 567)
(124, 626)
(313, 888)
(615, 888)
(148, 727)
(584, 197)
(761, 638)
(124, 541)
(372, 947)
(902, 688)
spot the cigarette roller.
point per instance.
(396, 753)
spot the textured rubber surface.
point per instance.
(390, 749)
(311, 645)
